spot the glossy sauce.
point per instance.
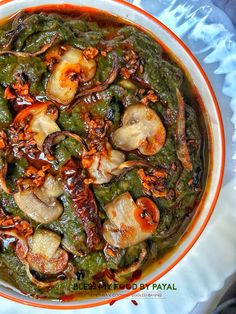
(149, 224)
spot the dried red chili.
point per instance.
(83, 201)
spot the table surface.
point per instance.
(223, 88)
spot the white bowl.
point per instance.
(215, 128)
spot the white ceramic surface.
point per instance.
(199, 83)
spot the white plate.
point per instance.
(206, 31)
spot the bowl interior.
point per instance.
(212, 115)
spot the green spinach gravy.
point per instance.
(103, 151)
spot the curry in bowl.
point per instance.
(103, 151)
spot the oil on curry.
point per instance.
(103, 155)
